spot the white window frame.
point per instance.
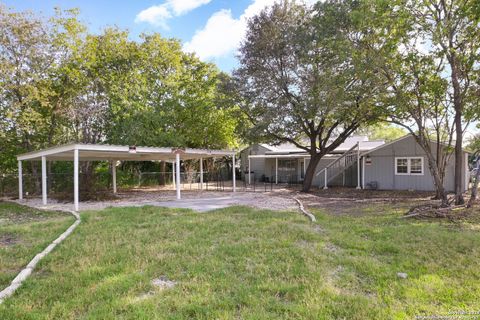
(409, 166)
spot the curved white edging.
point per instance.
(23, 275)
(304, 211)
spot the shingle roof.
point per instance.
(365, 145)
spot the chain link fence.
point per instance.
(101, 182)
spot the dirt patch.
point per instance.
(276, 200)
(13, 214)
(356, 202)
(378, 195)
(85, 196)
(8, 240)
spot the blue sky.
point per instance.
(211, 28)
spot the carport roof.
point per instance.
(99, 152)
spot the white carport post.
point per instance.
(276, 170)
(75, 179)
(363, 172)
(201, 174)
(114, 176)
(358, 166)
(249, 175)
(233, 175)
(173, 174)
(20, 181)
(177, 158)
(44, 180)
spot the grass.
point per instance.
(24, 232)
(242, 263)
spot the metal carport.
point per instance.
(113, 153)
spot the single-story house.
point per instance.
(397, 165)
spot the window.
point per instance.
(402, 166)
(409, 166)
(416, 166)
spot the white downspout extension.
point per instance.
(114, 176)
(44, 180)
(325, 181)
(233, 176)
(75, 179)
(358, 166)
(276, 170)
(20, 181)
(201, 173)
(177, 158)
(249, 175)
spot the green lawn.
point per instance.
(24, 232)
(241, 263)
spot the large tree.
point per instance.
(304, 77)
(430, 68)
(25, 61)
(453, 29)
(61, 84)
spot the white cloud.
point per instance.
(180, 7)
(220, 36)
(159, 15)
(156, 15)
(222, 33)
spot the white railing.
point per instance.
(338, 166)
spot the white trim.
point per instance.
(75, 179)
(140, 151)
(287, 156)
(234, 178)
(249, 175)
(201, 173)
(20, 181)
(363, 172)
(114, 176)
(409, 164)
(358, 166)
(178, 183)
(44, 180)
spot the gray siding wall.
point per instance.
(257, 166)
(382, 168)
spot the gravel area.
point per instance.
(196, 200)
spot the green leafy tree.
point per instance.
(428, 65)
(454, 31)
(382, 131)
(25, 60)
(303, 74)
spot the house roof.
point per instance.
(290, 148)
(398, 140)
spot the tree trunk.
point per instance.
(473, 197)
(162, 173)
(441, 194)
(458, 105)
(458, 160)
(310, 172)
